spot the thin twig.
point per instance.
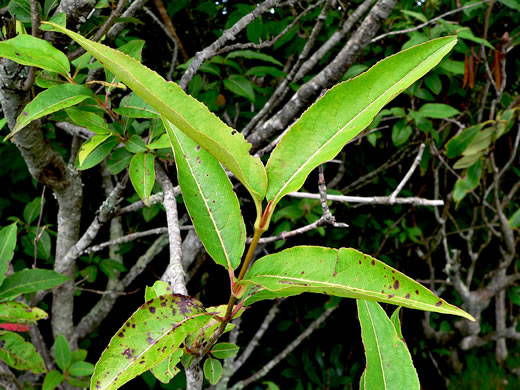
(405, 31)
(38, 232)
(131, 237)
(409, 174)
(384, 200)
(116, 13)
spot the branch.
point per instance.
(116, 29)
(174, 274)
(409, 174)
(454, 11)
(116, 13)
(416, 201)
(272, 41)
(132, 237)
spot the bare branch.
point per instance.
(174, 274)
(453, 11)
(385, 200)
(409, 174)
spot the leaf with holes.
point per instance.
(189, 115)
(28, 50)
(142, 174)
(49, 101)
(343, 112)
(209, 197)
(343, 273)
(7, 245)
(19, 354)
(150, 335)
(389, 363)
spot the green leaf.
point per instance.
(81, 369)
(213, 370)
(160, 143)
(46, 79)
(52, 380)
(461, 141)
(401, 132)
(253, 55)
(51, 100)
(20, 313)
(19, 354)
(152, 334)
(240, 86)
(142, 174)
(437, 111)
(343, 273)
(62, 352)
(389, 363)
(92, 144)
(28, 50)
(7, 245)
(98, 154)
(135, 144)
(264, 71)
(344, 111)
(118, 160)
(133, 106)
(396, 321)
(167, 369)
(30, 280)
(190, 116)
(93, 122)
(513, 294)
(110, 267)
(209, 197)
(514, 221)
(32, 210)
(159, 288)
(467, 184)
(224, 350)
(79, 355)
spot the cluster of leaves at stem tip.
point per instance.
(170, 330)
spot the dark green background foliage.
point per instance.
(465, 241)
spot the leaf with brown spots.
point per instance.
(344, 273)
(151, 335)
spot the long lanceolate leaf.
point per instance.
(209, 198)
(190, 116)
(151, 335)
(340, 272)
(389, 363)
(343, 112)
